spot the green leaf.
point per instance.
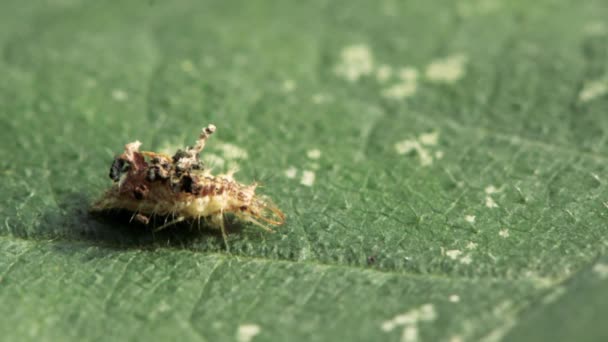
(442, 166)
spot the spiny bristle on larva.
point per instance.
(150, 183)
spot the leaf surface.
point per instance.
(442, 167)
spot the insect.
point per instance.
(181, 188)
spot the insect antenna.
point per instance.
(224, 235)
(135, 213)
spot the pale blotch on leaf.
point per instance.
(427, 139)
(400, 91)
(288, 86)
(187, 66)
(593, 89)
(409, 334)
(313, 154)
(408, 74)
(453, 253)
(454, 298)
(466, 260)
(601, 270)
(425, 157)
(470, 218)
(596, 28)
(119, 95)
(247, 332)
(406, 146)
(504, 233)
(456, 254)
(490, 203)
(490, 189)
(471, 245)
(384, 73)
(308, 178)
(356, 61)
(456, 338)
(90, 83)
(446, 70)
(291, 172)
(320, 98)
(406, 87)
(409, 321)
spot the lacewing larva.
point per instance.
(180, 187)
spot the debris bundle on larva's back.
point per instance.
(179, 187)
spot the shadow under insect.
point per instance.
(120, 226)
(72, 220)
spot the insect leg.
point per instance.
(142, 218)
(218, 221)
(259, 224)
(170, 223)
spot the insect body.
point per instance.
(181, 188)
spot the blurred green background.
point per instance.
(442, 166)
